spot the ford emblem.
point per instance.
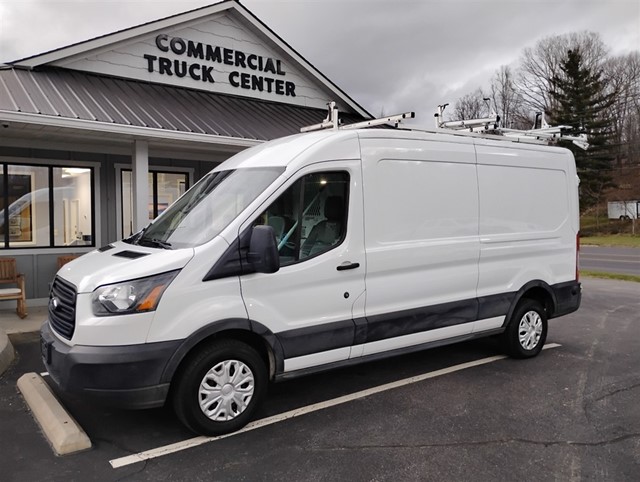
(54, 303)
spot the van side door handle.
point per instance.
(348, 265)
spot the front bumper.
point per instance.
(125, 376)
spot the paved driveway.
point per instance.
(570, 414)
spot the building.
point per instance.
(99, 137)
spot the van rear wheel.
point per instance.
(219, 388)
(526, 332)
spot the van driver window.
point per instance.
(310, 217)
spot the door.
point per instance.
(421, 240)
(312, 301)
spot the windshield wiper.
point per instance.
(135, 237)
(155, 243)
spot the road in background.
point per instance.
(610, 260)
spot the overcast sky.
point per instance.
(394, 55)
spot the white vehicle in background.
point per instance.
(624, 209)
(318, 251)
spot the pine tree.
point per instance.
(581, 102)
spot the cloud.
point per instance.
(387, 55)
(414, 55)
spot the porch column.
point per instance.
(140, 179)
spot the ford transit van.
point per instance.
(317, 251)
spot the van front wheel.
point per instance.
(526, 333)
(220, 387)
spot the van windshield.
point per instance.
(206, 209)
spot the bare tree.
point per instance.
(507, 100)
(541, 63)
(471, 106)
(623, 80)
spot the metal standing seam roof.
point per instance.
(78, 95)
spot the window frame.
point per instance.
(189, 172)
(50, 165)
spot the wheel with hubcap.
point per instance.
(219, 387)
(526, 332)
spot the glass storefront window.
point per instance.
(169, 187)
(45, 206)
(164, 189)
(72, 214)
(2, 205)
(25, 193)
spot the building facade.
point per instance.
(98, 138)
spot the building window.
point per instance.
(72, 206)
(45, 206)
(164, 189)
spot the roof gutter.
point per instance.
(136, 132)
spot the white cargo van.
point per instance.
(317, 251)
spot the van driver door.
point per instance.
(312, 301)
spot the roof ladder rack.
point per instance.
(490, 125)
(332, 121)
(547, 133)
(471, 125)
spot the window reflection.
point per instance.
(35, 213)
(164, 189)
(27, 201)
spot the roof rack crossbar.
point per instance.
(382, 120)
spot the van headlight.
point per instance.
(136, 296)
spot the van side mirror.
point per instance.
(263, 250)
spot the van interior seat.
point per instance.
(328, 231)
(277, 223)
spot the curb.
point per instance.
(62, 431)
(7, 353)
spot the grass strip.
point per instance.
(599, 274)
(612, 240)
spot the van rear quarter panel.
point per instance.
(528, 216)
(421, 221)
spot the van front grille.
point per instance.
(62, 307)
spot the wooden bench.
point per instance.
(9, 275)
(65, 258)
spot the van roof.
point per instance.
(281, 152)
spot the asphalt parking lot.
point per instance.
(572, 413)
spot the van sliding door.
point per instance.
(422, 247)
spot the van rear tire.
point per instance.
(526, 332)
(219, 387)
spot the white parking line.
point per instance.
(44, 374)
(194, 442)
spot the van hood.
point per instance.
(119, 262)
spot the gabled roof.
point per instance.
(231, 7)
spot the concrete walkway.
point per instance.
(11, 324)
